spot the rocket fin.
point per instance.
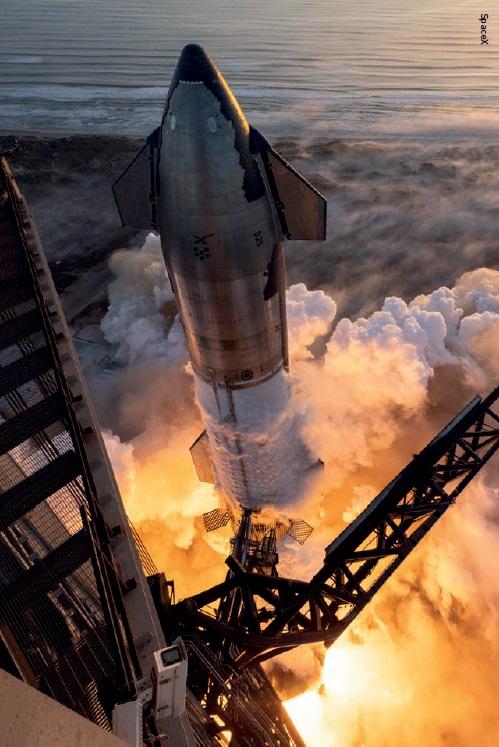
(202, 460)
(135, 190)
(300, 207)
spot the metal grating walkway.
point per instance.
(54, 618)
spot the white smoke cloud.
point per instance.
(123, 461)
(418, 648)
(405, 216)
(310, 315)
(374, 378)
(267, 427)
(376, 372)
(140, 318)
(420, 666)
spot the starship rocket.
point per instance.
(223, 201)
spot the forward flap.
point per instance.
(300, 207)
(135, 190)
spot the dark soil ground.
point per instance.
(67, 183)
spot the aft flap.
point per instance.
(300, 207)
(202, 459)
(135, 190)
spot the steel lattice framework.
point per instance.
(70, 577)
(278, 613)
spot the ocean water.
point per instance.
(370, 67)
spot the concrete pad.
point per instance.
(28, 718)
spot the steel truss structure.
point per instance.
(242, 703)
(276, 613)
(70, 574)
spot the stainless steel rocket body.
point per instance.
(223, 201)
(222, 244)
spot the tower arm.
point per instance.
(359, 561)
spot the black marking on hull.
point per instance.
(272, 284)
(259, 145)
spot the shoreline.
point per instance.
(7, 132)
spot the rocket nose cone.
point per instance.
(195, 66)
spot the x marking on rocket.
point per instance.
(202, 239)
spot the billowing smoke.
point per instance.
(420, 665)
(412, 670)
(141, 319)
(310, 315)
(404, 216)
(377, 372)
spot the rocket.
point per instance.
(223, 201)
